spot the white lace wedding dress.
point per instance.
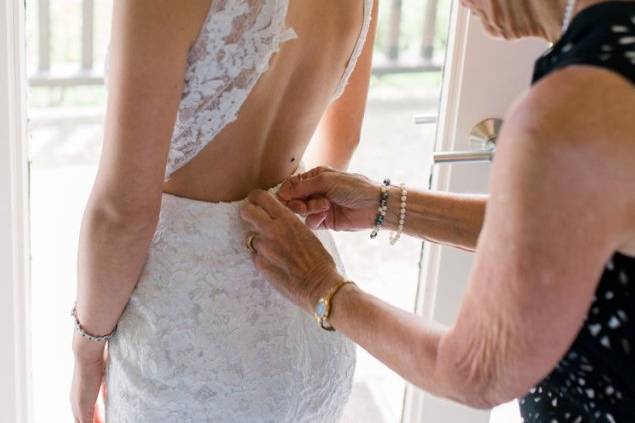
(204, 338)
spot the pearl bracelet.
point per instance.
(394, 237)
(79, 329)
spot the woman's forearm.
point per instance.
(290, 257)
(398, 339)
(445, 218)
(395, 337)
(112, 251)
(408, 345)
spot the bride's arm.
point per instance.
(149, 48)
(339, 131)
(150, 41)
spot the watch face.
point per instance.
(321, 310)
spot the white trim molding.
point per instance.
(415, 399)
(15, 368)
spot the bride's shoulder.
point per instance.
(161, 19)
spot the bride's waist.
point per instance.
(186, 223)
(225, 184)
(194, 226)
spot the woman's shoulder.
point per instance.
(575, 124)
(579, 104)
(570, 139)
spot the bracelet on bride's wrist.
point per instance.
(382, 209)
(80, 330)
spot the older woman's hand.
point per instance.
(289, 255)
(330, 199)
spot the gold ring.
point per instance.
(250, 243)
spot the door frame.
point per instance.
(414, 401)
(15, 366)
(477, 65)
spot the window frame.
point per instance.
(15, 363)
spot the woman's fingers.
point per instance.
(261, 246)
(305, 187)
(315, 221)
(318, 205)
(256, 217)
(310, 206)
(268, 203)
(298, 207)
(313, 172)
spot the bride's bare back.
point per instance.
(149, 59)
(282, 111)
(197, 297)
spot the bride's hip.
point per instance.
(193, 306)
(201, 311)
(204, 333)
(204, 235)
(200, 275)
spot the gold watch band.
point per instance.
(326, 302)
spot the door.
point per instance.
(14, 345)
(483, 76)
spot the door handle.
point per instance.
(424, 119)
(484, 136)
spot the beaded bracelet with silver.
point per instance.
(394, 237)
(87, 335)
(382, 209)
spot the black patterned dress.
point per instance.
(595, 381)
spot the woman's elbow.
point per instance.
(477, 381)
(482, 398)
(473, 390)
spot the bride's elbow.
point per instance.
(119, 216)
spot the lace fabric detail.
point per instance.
(233, 50)
(205, 338)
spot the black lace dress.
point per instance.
(595, 381)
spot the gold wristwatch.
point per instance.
(323, 307)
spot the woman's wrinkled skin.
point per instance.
(534, 276)
(512, 19)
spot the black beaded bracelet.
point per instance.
(96, 338)
(382, 209)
